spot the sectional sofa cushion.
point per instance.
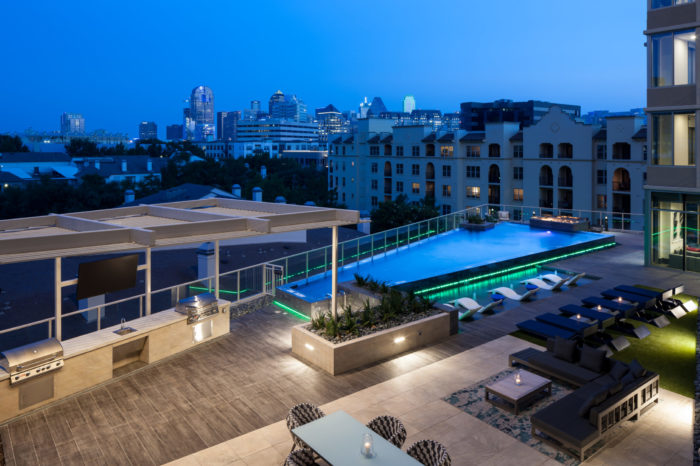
(565, 349)
(592, 358)
(559, 420)
(636, 369)
(618, 370)
(561, 369)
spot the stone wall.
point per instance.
(250, 305)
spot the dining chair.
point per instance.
(429, 453)
(301, 414)
(390, 428)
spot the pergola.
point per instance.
(150, 226)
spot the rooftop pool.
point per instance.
(431, 263)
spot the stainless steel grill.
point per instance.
(32, 360)
(198, 307)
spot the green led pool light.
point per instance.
(203, 288)
(293, 312)
(510, 269)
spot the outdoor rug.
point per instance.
(471, 401)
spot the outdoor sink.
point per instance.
(125, 331)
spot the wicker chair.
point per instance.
(429, 453)
(389, 428)
(301, 414)
(303, 457)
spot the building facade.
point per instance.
(557, 165)
(221, 150)
(330, 122)
(148, 130)
(199, 121)
(226, 125)
(173, 132)
(276, 130)
(409, 104)
(287, 107)
(673, 100)
(474, 115)
(72, 124)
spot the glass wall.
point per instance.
(673, 58)
(664, 3)
(673, 138)
(675, 242)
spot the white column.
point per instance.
(216, 269)
(57, 295)
(148, 281)
(334, 272)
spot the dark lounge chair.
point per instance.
(642, 302)
(580, 327)
(604, 319)
(664, 299)
(545, 331)
(622, 309)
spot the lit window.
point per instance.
(415, 188)
(446, 190)
(518, 194)
(473, 192)
(673, 58)
(673, 139)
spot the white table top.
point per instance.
(529, 382)
(337, 438)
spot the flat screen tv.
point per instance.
(106, 276)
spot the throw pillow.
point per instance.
(615, 388)
(592, 358)
(586, 406)
(628, 378)
(564, 349)
(618, 370)
(636, 369)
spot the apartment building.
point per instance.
(557, 164)
(672, 187)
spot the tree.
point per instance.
(82, 147)
(396, 213)
(11, 144)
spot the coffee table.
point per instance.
(514, 397)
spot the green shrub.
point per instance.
(319, 321)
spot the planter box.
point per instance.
(477, 226)
(336, 358)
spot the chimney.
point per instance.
(263, 171)
(280, 200)
(149, 165)
(205, 260)
(257, 194)
(129, 196)
(124, 165)
(236, 190)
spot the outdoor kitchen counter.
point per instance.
(90, 358)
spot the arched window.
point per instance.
(430, 150)
(566, 177)
(546, 150)
(494, 150)
(546, 176)
(494, 174)
(387, 169)
(566, 151)
(430, 172)
(621, 180)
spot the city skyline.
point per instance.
(476, 53)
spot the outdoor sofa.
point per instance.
(609, 392)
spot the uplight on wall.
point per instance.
(399, 339)
(308, 347)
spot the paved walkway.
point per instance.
(662, 437)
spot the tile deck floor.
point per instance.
(662, 437)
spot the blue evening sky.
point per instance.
(121, 62)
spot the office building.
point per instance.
(409, 104)
(148, 130)
(72, 124)
(377, 107)
(226, 124)
(535, 167)
(474, 115)
(198, 120)
(330, 121)
(277, 130)
(673, 99)
(304, 151)
(287, 107)
(173, 132)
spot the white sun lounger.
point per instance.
(544, 285)
(472, 307)
(510, 294)
(567, 281)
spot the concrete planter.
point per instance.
(342, 357)
(477, 226)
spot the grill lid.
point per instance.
(193, 303)
(33, 354)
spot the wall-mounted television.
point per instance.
(106, 276)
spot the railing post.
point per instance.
(325, 261)
(99, 317)
(148, 281)
(238, 285)
(371, 247)
(307, 267)
(57, 295)
(140, 306)
(286, 269)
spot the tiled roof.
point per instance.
(6, 177)
(447, 137)
(337, 140)
(134, 164)
(517, 137)
(20, 157)
(429, 138)
(388, 140)
(474, 136)
(373, 140)
(349, 140)
(184, 192)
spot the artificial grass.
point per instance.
(668, 351)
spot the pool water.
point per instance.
(448, 252)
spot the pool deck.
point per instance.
(224, 402)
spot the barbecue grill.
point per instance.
(32, 360)
(198, 307)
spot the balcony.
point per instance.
(564, 205)
(548, 203)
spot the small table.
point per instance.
(513, 397)
(337, 438)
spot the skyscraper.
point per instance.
(148, 130)
(287, 107)
(377, 107)
(173, 132)
(72, 123)
(409, 104)
(226, 124)
(202, 113)
(330, 121)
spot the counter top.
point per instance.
(106, 336)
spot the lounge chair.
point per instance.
(578, 326)
(664, 299)
(642, 302)
(602, 304)
(603, 318)
(567, 281)
(543, 330)
(510, 294)
(544, 285)
(472, 307)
